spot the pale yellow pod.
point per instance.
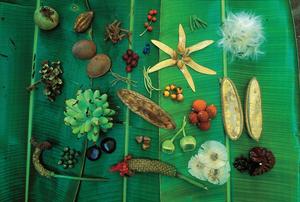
(232, 109)
(253, 110)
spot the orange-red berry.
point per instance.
(203, 116)
(153, 19)
(149, 17)
(199, 105)
(193, 118)
(212, 111)
(146, 24)
(149, 29)
(154, 12)
(204, 125)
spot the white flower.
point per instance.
(242, 35)
(196, 168)
(217, 176)
(213, 154)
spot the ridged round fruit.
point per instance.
(199, 105)
(193, 117)
(84, 49)
(203, 116)
(212, 111)
(204, 125)
(98, 66)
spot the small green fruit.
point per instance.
(46, 18)
(188, 143)
(168, 147)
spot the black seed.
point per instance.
(108, 145)
(93, 153)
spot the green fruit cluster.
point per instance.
(68, 158)
(89, 114)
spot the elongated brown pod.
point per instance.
(146, 108)
(253, 110)
(232, 109)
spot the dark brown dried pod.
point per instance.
(261, 161)
(146, 108)
(83, 21)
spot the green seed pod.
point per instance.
(77, 154)
(188, 143)
(168, 146)
(46, 18)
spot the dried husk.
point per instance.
(146, 108)
(253, 110)
(83, 21)
(232, 109)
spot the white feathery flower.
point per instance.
(213, 154)
(242, 35)
(196, 168)
(217, 176)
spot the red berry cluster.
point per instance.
(150, 19)
(131, 59)
(202, 114)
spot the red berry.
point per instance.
(133, 63)
(146, 24)
(154, 12)
(135, 56)
(125, 57)
(199, 105)
(204, 125)
(193, 118)
(212, 111)
(153, 19)
(203, 116)
(128, 61)
(151, 12)
(128, 68)
(149, 17)
(129, 52)
(149, 29)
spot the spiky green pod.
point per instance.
(88, 114)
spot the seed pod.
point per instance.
(253, 110)
(232, 109)
(146, 108)
(83, 21)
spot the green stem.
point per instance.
(87, 4)
(180, 130)
(193, 182)
(96, 179)
(81, 170)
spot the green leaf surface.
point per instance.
(276, 71)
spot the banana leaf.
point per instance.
(24, 115)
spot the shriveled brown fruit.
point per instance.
(98, 66)
(84, 49)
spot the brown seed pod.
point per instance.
(98, 66)
(253, 110)
(84, 49)
(146, 108)
(83, 21)
(262, 160)
(232, 109)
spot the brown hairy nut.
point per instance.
(83, 21)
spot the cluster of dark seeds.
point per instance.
(51, 74)
(68, 158)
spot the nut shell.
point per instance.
(83, 21)
(84, 49)
(98, 66)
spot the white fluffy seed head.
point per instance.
(242, 35)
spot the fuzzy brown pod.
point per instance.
(232, 109)
(83, 21)
(146, 108)
(253, 110)
(84, 49)
(98, 66)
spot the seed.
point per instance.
(60, 162)
(66, 149)
(128, 68)
(125, 57)
(98, 66)
(151, 12)
(149, 17)
(193, 117)
(203, 116)
(179, 90)
(168, 87)
(172, 87)
(153, 19)
(129, 52)
(128, 61)
(154, 12)
(133, 63)
(146, 24)
(173, 96)
(212, 111)
(70, 162)
(149, 29)
(179, 97)
(166, 93)
(199, 105)
(139, 139)
(84, 49)
(65, 166)
(204, 125)
(72, 151)
(71, 166)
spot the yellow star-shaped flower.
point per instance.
(181, 57)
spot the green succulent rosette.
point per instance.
(89, 114)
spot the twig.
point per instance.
(118, 78)
(148, 83)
